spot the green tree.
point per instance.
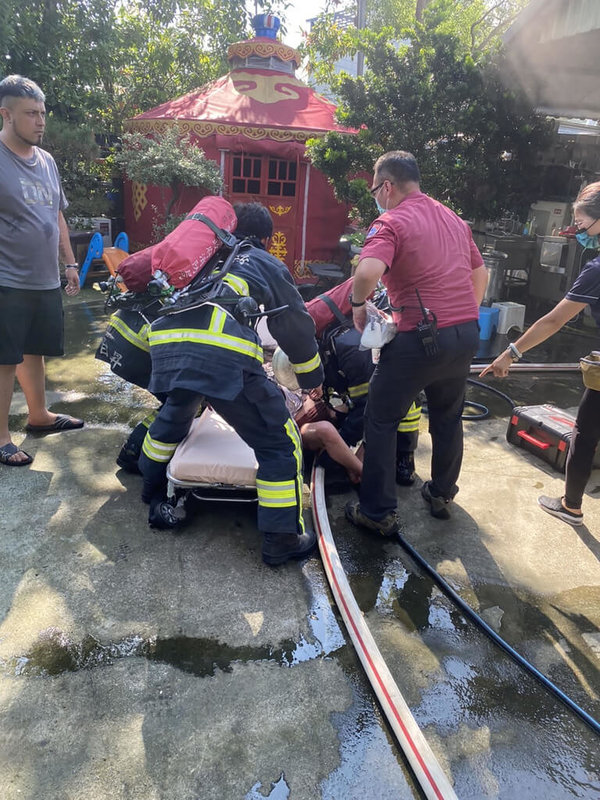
(102, 61)
(170, 161)
(476, 140)
(83, 174)
(477, 25)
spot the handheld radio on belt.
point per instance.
(427, 330)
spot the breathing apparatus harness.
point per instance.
(206, 288)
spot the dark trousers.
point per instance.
(585, 438)
(403, 371)
(260, 417)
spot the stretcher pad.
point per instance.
(213, 456)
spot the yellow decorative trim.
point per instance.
(280, 210)
(205, 129)
(264, 50)
(278, 246)
(302, 271)
(138, 198)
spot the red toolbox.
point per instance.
(542, 430)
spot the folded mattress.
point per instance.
(213, 454)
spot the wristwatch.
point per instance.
(72, 266)
(356, 305)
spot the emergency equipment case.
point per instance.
(543, 430)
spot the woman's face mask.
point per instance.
(587, 241)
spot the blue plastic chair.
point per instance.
(95, 249)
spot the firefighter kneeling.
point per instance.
(207, 355)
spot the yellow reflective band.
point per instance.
(149, 419)
(408, 427)
(276, 494)
(139, 339)
(239, 285)
(358, 391)
(410, 423)
(158, 451)
(294, 434)
(217, 320)
(307, 366)
(195, 336)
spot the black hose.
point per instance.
(468, 611)
(484, 411)
(491, 389)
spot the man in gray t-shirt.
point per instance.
(33, 232)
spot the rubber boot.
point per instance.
(130, 452)
(405, 469)
(280, 547)
(128, 459)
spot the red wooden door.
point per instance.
(274, 183)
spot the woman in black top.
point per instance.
(585, 291)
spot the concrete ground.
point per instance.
(142, 665)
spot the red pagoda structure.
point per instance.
(254, 122)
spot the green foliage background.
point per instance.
(431, 93)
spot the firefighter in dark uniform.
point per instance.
(348, 370)
(126, 348)
(206, 355)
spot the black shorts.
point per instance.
(31, 323)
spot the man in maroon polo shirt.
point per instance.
(435, 277)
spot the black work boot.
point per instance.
(128, 458)
(280, 547)
(405, 469)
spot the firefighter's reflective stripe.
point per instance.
(410, 423)
(136, 338)
(149, 418)
(216, 339)
(217, 320)
(360, 390)
(308, 366)
(239, 285)
(294, 434)
(276, 494)
(158, 451)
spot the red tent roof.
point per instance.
(252, 97)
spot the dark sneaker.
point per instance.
(280, 547)
(554, 506)
(405, 469)
(438, 506)
(388, 526)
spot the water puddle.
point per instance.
(279, 791)
(55, 653)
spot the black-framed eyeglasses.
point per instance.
(375, 189)
(585, 230)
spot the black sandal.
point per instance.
(7, 451)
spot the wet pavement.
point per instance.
(138, 664)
